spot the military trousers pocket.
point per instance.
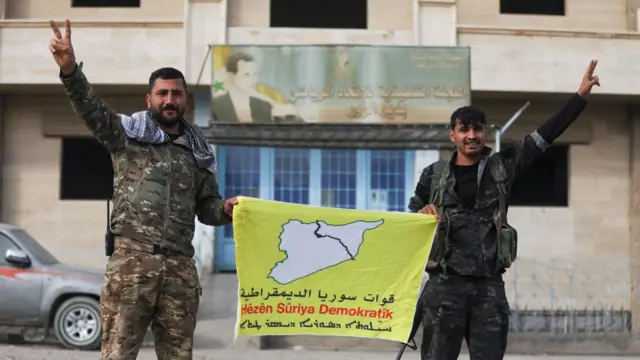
(131, 278)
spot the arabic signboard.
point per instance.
(338, 84)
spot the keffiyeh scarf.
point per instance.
(141, 127)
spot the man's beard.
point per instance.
(159, 116)
(475, 147)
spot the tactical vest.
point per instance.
(507, 236)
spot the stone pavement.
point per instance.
(214, 338)
(8, 352)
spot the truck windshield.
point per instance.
(43, 256)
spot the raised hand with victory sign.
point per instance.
(62, 49)
(588, 80)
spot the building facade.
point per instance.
(578, 221)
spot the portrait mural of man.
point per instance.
(242, 102)
(337, 84)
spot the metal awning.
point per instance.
(327, 135)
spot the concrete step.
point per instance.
(606, 344)
(330, 343)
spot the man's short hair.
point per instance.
(166, 73)
(468, 115)
(234, 59)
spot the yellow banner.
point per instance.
(306, 270)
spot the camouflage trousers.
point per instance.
(457, 308)
(140, 289)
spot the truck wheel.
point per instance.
(77, 324)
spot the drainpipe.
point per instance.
(224, 6)
(188, 7)
(416, 23)
(2, 150)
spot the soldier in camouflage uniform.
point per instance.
(163, 178)
(468, 194)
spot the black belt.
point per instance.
(155, 250)
(158, 250)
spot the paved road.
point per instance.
(8, 352)
(214, 338)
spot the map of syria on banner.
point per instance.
(306, 270)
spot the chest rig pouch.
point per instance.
(437, 189)
(507, 236)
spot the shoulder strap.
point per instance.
(499, 174)
(438, 179)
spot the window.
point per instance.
(532, 7)
(291, 175)
(388, 171)
(105, 3)
(339, 178)
(343, 178)
(43, 256)
(5, 244)
(241, 174)
(87, 171)
(545, 182)
(319, 14)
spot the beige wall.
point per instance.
(61, 9)
(382, 14)
(516, 61)
(395, 15)
(25, 58)
(506, 55)
(577, 256)
(592, 15)
(72, 230)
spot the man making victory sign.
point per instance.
(163, 177)
(474, 244)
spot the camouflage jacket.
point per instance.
(472, 236)
(158, 188)
(472, 233)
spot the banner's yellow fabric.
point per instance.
(306, 270)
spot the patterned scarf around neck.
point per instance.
(141, 127)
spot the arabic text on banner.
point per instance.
(306, 270)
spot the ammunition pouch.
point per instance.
(507, 236)
(507, 246)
